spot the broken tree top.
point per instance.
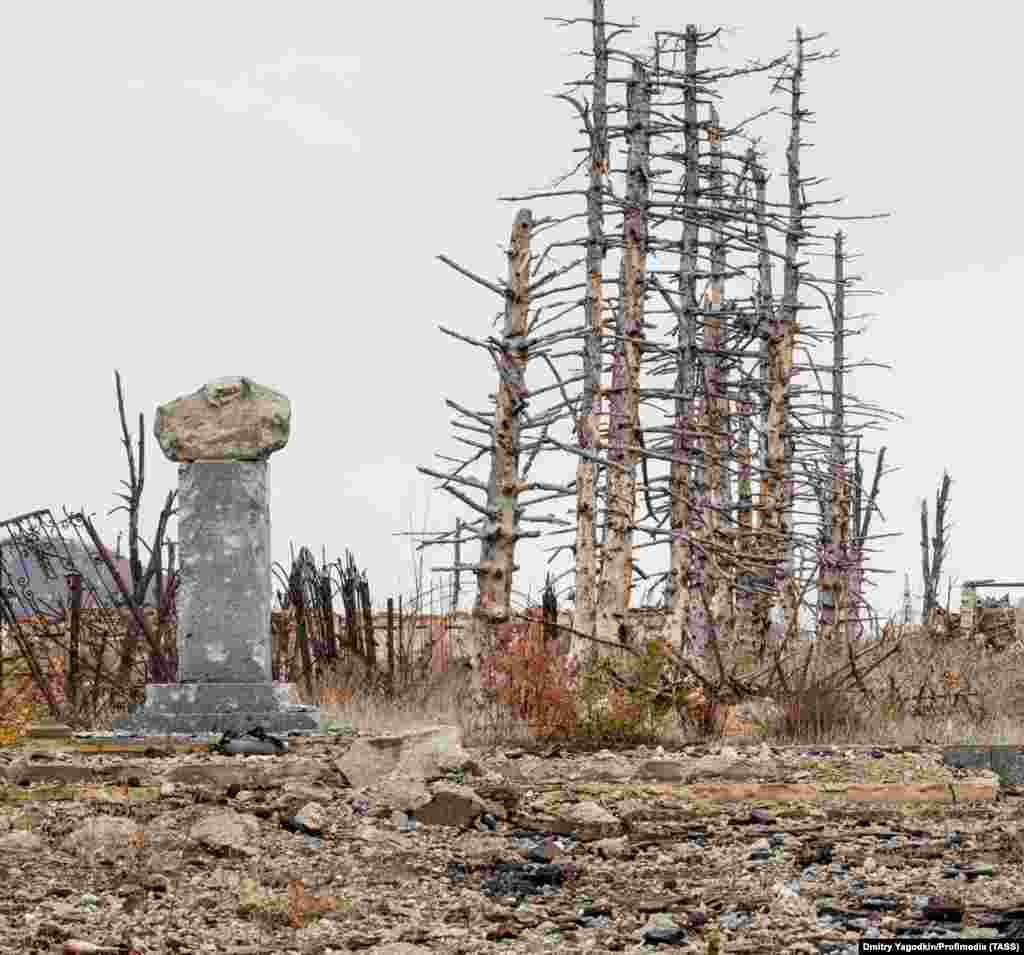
(228, 419)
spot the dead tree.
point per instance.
(498, 438)
(499, 537)
(833, 567)
(741, 418)
(161, 639)
(588, 437)
(935, 549)
(623, 443)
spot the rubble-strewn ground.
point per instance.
(418, 845)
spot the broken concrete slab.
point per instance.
(215, 774)
(422, 754)
(451, 805)
(22, 773)
(48, 730)
(1006, 761)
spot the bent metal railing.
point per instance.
(64, 618)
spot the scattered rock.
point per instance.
(424, 754)
(587, 820)
(662, 837)
(20, 841)
(105, 837)
(228, 832)
(451, 805)
(24, 773)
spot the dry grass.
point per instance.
(933, 688)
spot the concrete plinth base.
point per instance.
(198, 708)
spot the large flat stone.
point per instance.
(198, 708)
(228, 419)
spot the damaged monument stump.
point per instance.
(221, 436)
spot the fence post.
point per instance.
(74, 584)
(457, 577)
(391, 641)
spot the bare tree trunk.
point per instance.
(790, 304)
(495, 574)
(622, 451)
(744, 512)
(716, 442)
(588, 437)
(860, 525)
(677, 615)
(765, 303)
(931, 570)
(834, 577)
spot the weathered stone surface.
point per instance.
(663, 770)
(103, 838)
(214, 774)
(612, 848)
(20, 841)
(734, 792)
(24, 772)
(313, 817)
(219, 707)
(968, 790)
(228, 419)
(587, 821)
(400, 948)
(435, 884)
(224, 589)
(229, 832)
(422, 754)
(223, 604)
(48, 731)
(451, 805)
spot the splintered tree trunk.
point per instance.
(677, 615)
(588, 437)
(744, 511)
(623, 441)
(833, 579)
(790, 298)
(931, 570)
(860, 525)
(716, 582)
(768, 526)
(495, 573)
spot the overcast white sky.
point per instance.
(193, 190)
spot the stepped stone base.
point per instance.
(200, 708)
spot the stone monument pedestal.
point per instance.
(199, 708)
(222, 435)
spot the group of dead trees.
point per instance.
(320, 649)
(706, 408)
